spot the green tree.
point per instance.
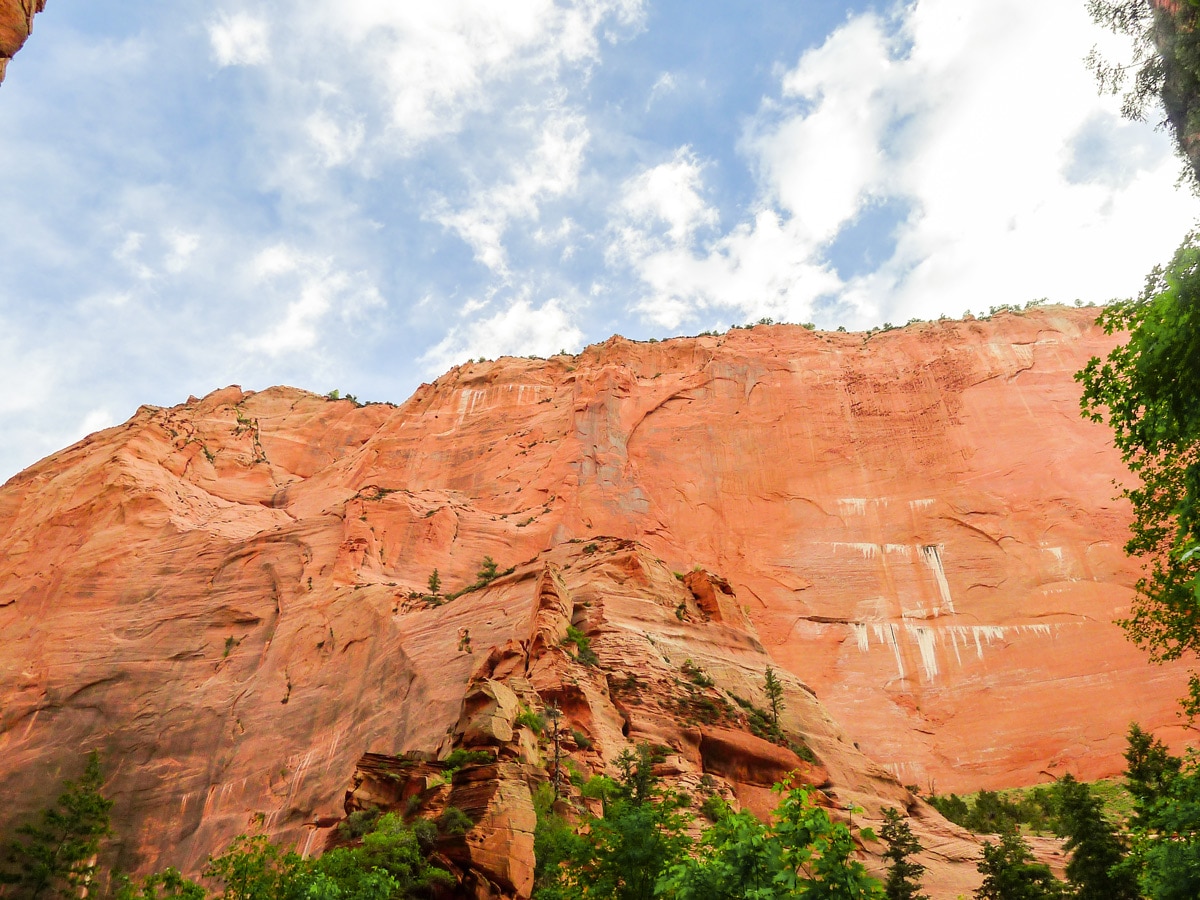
(391, 863)
(903, 880)
(488, 570)
(1148, 391)
(56, 855)
(1096, 851)
(435, 583)
(1010, 873)
(1165, 63)
(802, 853)
(165, 885)
(625, 850)
(1167, 851)
(774, 692)
(1149, 770)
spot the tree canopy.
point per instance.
(55, 856)
(1148, 391)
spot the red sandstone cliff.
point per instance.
(916, 525)
(16, 24)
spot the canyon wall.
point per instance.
(16, 24)
(227, 597)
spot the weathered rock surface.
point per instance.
(225, 596)
(16, 24)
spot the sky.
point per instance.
(360, 194)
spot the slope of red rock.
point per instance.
(916, 525)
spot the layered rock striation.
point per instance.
(230, 598)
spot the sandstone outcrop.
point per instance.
(229, 597)
(16, 24)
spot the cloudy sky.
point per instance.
(358, 194)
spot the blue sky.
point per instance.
(358, 194)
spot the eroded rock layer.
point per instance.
(16, 24)
(226, 596)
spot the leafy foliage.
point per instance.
(55, 857)
(166, 885)
(992, 813)
(1148, 390)
(391, 864)
(583, 646)
(639, 848)
(625, 850)
(1165, 64)
(802, 853)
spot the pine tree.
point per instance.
(1094, 846)
(1010, 873)
(774, 691)
(488, 570)
(904, 877)
(435, 583)
(56, 856)
(1149, 771)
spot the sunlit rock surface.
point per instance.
(917, 527)
(16, 24)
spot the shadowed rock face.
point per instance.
(16, 24)
(225, 596)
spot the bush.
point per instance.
(599, 787)
(359, 823)
(453, 821)
(696, 675)
(583, 646)
(460, 757)
(527, 718)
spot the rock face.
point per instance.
(16, 24)
(230, 597)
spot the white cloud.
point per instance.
(181, 246)
(670, 193)
(239, 39)
(433, 64)
(96, 420)
(315, 290)
(129, 251)
(971, 117)
(519, 330)
(552, 170)
(666, 84)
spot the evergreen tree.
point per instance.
(774, 691)
(1094, 846)
(1168, 848)
(56, 856)
(1009, 873)
(1149, 770)
(488, 570)
(435, 583)
(904, 876)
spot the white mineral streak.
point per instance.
(933, 558)
(929, 637)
